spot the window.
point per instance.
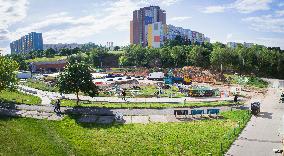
(156, 26)
(156, 38)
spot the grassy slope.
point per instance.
(72, 103)
(18, 98)
(41, 86)
(22, 136)
(252, 81)
(45, 59)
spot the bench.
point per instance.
(213, 111)
(180, 112)
(197, 112)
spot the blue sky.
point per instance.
(100, 21)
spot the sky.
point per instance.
(101, 21)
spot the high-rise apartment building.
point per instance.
(155, 34)
(149, 28)
(187, 34)
(141, 19)
(59, 46)
(32, 41)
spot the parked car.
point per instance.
(24, 75)
(159, 76)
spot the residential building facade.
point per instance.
(155, 34)
(141, 19)
(59, 46)
(235, 44)
(187, 34)
(31, 42)
(232, 44)
(149, 28)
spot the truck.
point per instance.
(158, 76)
(24, 75)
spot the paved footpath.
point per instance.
(53, 95)
(261, 135)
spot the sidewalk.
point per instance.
(53, 95)
(261, 135)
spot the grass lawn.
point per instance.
(46, 59)
(16, 97)
(247, 81)
(37, 84)
(24, 136)
(72, 103)
(149, 91)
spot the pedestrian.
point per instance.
(55, 106)
(58, 105)
(123, 95)
(236, 98)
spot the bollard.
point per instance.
(221, 149)
(239, 123)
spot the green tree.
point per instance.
(65, 52)
(199, 56)
(77, 78)
(8, 78)
(20, 59)
(50, 52)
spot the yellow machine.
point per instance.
(187, 79)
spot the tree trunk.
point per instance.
(77, 93)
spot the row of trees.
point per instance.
(8, 79)
(257, 59)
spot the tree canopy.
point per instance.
(8, 78)
(77, 78)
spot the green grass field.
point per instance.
(247, 81)
(16, 97)
(37, 84)
(72, 103)
(23, 136)
(46, 59)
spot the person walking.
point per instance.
(123, 95)
(57, 106)
(236, 98)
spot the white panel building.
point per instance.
(59, 46)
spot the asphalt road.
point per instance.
(264, 132)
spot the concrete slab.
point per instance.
(261, 134)
(127, 119)
(105, 119)
(158, 118)
(88, 119)
(140, 119)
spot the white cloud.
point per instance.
(279, 12)
(214, 9)
(271, 42)
(11, 11)
(266, 23)
(281, 4)
(248, 6)
(242, 6)
(157, 2)
(116, 16)
(180, 19)
(229, 36)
